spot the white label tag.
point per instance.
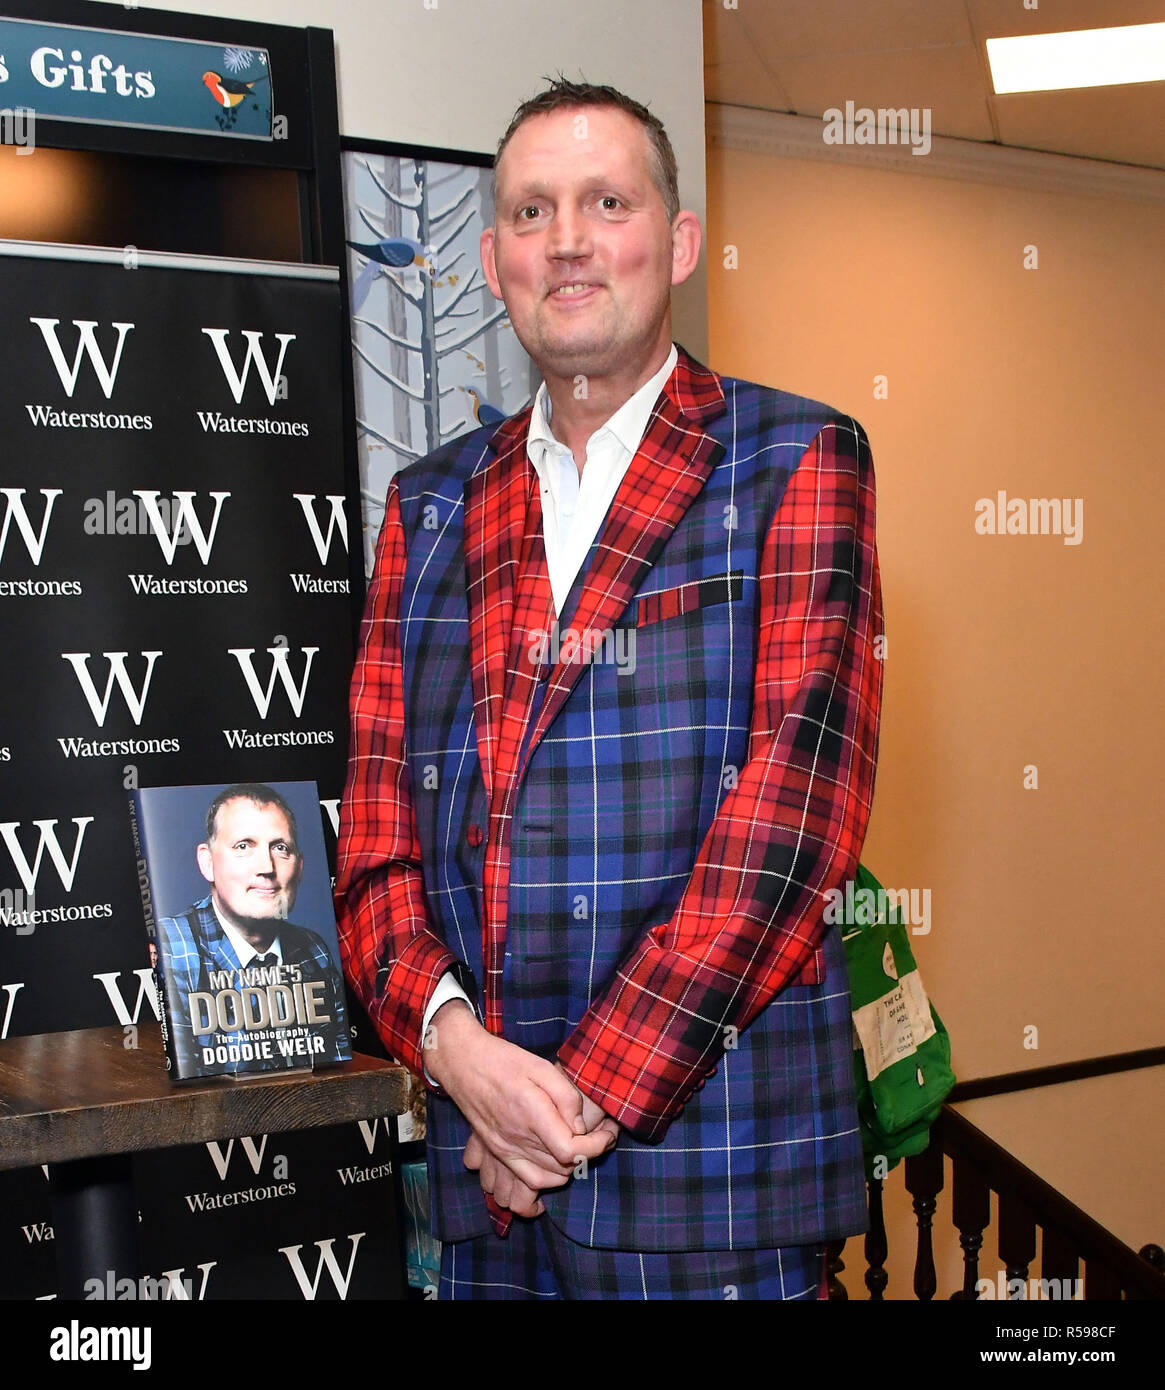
(888, 962)
(894, 1026)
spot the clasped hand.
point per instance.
(531, 1124)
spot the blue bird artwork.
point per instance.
(483, 412)
(394, 252)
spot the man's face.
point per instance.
(581, 249)
(253, 863)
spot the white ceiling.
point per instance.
(805, 56)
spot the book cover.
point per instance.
(237, 901)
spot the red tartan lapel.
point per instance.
(695, 389)
(497, 516)
(663, 479)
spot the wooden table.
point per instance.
(83, 1103)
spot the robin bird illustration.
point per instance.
(483, 412)
(226, 90)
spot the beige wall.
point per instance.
(449, 73)
(1003, 650)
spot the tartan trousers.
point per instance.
(536, 1262)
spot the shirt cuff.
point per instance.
(447, 988)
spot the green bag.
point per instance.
(902, 1052)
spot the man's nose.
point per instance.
(266, 861)
(570, 237)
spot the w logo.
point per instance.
(279, 670)
(177, 1287)
(336, 522)
(30, 873)
(11, 991)
(146, 991)
(99, 704)
(236, 380)
(326, 1260)
(184, 514)
(86, 346)
(222, 1161)
(368, 1130)
(15, 511)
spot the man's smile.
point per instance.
(574, 289)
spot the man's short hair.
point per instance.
(258, 793)
(563, 94)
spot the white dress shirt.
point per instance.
(243, 948)
(573, 510)
(573, 507)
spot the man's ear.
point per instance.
(205, 865)
(488, 266)
(685, 239)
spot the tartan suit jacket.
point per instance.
(194, 943)
(620, 840)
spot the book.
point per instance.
(422, 1248)
(236, 898)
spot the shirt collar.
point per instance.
(628, 424)
(243, 948)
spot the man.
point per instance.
(593, 886)
(251, 859)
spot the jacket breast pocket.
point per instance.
(686, 598)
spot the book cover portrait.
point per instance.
(236, 895)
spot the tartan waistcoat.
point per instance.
(562, 788)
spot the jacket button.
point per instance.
(474, 835)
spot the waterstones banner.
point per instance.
(174, 590)
(173, 584)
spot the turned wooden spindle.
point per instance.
(1101, 1285)
(1017, 1240)
(924, 1181)
(876, 1249)
(834, 1265)
(1059, 1257)
(971, 1213)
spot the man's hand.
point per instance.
(499, 1182)
(592, 1117)
(506, 1190)
(525, 1112)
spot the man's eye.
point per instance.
(528, 213)
(609, 203)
